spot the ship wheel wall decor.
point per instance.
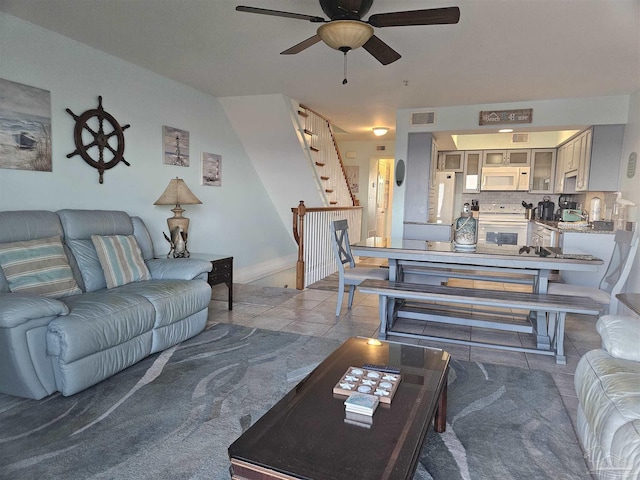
(92, 135)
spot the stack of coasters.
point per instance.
(382, 384)
(361, 403)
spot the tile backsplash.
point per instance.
(582, 199)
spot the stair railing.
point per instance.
(327, 159)
(312, 232)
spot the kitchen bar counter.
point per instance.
(554, 225)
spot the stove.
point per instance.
(502, 224)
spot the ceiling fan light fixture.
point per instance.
(380, 131)
(345, 35)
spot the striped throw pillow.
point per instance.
(121, 259)
(38, 267)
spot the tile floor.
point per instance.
(312, 312)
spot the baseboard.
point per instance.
(257, 271)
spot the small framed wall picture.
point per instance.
(175, 144)
(211, 169)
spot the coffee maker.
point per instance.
(546, 209)
(567, 209)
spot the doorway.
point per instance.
(380, 197)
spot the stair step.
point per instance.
(328, 190)
(308, 132)
(324, 178)
(333, 203)
(303, 114)
(314, 149)
(319, 164)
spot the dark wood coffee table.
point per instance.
(305, 436)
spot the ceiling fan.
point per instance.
(346, 30)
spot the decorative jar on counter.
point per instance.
(465, 232)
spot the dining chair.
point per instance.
(615, 277)
(350, 275)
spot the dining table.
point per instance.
(506, 263)
(540, 262)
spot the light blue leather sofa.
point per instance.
(70, 343)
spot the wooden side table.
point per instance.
(222, 271)
(631, 300)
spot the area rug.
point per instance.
(174, 414)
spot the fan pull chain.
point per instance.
(344, 82)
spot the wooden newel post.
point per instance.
(298, 232)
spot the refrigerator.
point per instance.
(443, 199)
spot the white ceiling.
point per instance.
(500, 51)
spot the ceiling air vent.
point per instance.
(423, 118)
(520, 138)
(381, 148)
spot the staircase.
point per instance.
(326, 158)
(294, 152)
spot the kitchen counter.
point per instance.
(554, 225)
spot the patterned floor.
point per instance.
(312, 312)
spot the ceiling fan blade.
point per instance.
(277, 13)
(301, 46)
(432, 16)
(381, 51)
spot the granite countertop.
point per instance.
(553, 225)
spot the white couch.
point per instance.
(607, 383)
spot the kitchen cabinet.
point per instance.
(543, 165)
(542, 236)
(584, 160)
(472, 168)
(560, 169)
(504, 158)
(417, 179)
(592, 159)
(600, 245)
(451, 161)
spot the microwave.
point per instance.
(505, 178)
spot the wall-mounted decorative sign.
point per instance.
(506, 117)
(103, 132)
(25, 127)
(211, 169)
(176, 146)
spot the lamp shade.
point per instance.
(345, 35)
(177, 193)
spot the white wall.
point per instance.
(276, 152)
(364, 152)
(630, 187)
(237, 218)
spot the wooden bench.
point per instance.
(551, 311)
(470, 272)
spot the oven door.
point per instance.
(502, 233)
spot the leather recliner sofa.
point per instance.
(607, 383)
(69, 343)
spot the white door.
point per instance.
(379, 197)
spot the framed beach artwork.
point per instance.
(25, 127)
(175, 146)
(211, 169)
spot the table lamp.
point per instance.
(177, 193)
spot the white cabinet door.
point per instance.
(472, 170)
(503, 158)
(494, 158)
(450, 161)
(584, 162)
(542, 170)
(518, 158)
